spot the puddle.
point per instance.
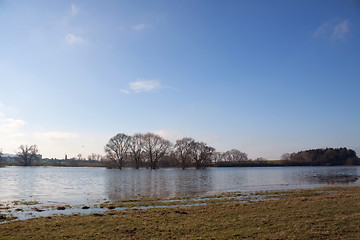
(24, 210)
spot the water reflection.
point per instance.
(130, 183)
(333, 176)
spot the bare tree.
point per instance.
(234, 155)
(1, 155)
(155, 147)
(285, 156)
(117, 149)
(183, 149)
(136, 149)
(201, 154)
(80, 157)
(94, 157)
(27, 154)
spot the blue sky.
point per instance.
(264, 77)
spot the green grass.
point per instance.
(331, 213)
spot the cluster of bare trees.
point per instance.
(189, 151)
(148, 149)
(91, 158)
(95, 157)
(145, 150)
(232, 155)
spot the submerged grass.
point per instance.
(15, 203)
(331, 213)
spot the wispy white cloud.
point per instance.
(139, 27)
(322, 31)
(10, 126)
(142, 85)
(340, 30)
(74, 10)
(71, 39)
(55, 135)
(333, 30)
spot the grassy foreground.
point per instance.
(332, 213)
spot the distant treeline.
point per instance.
(152, 151)
(249, 163)
(313, 157)
(324, 157)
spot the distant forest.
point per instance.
(313, 157)
(326, 157)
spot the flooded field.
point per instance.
(43, 191)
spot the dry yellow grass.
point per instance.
(305, 214)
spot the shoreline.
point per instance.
(329, 212)
(267, 163)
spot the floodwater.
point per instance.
(76, 186)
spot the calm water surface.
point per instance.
(91, 185)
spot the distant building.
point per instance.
(9, 157)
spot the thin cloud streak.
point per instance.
(322, 31)
(144, 85)
(74, 10)
(340, 30)
(333, 30)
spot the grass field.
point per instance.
(329, 213)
